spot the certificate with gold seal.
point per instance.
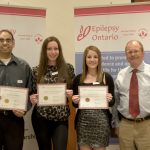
(13, 98)
(93, 97)
(51, 94)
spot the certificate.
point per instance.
(51, 94)
(13, 98)
(93, 97)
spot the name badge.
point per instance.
(19, 81)
(54, 73)
(95, 83)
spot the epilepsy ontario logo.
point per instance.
(84, 31)
(142, 33)
(38, 38)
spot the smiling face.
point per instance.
(6, 44)
(134, 53)
(92, 59)
(52, 52)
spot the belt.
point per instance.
(137, 120)
(5, 112)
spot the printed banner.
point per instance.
(28, 27)
(110, 28)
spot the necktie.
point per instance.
(133, 95)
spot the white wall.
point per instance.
(60, 17)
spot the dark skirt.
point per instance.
(93, 128)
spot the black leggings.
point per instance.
(48, 131)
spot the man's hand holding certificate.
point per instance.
(13, 98)
(51, 94)
(93, 97)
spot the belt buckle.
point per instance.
(5, 112)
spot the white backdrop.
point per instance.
(28, 26)
(109, 28)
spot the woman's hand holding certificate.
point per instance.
(51, 94)
(93, 97)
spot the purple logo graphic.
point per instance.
(83, 32)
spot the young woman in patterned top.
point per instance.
(50, 123)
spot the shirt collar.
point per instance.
(12, 60)
(140, 67)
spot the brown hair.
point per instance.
(84, 66)
(60, 63)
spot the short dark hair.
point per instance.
(8, 31)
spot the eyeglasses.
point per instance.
(133, 52)
(6, 40)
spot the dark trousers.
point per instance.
(11, 131)
(49, 132)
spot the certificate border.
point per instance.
(55, 84)
(20, 88)
(93, 87)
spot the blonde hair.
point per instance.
(84, 66)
